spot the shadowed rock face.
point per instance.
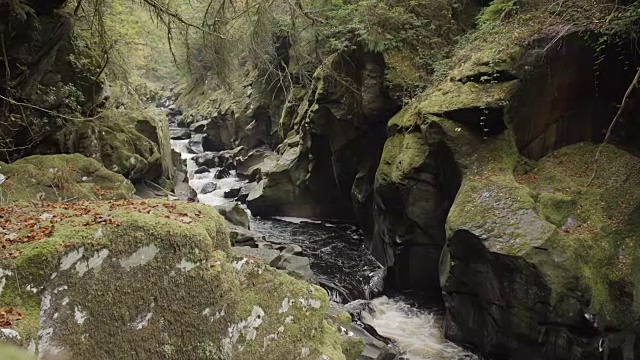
(573, 94)
(338, 131)
(530, 256)
(410, 214)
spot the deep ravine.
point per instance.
(343, 267)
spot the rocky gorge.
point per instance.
(327, 207)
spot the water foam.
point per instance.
(418, 332)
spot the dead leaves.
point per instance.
(27, 224)
(9, 317)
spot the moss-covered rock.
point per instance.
(154, 280)
(15, 353)
(115, 140)
(61, 178)
(536, 265)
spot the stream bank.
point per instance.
(331, 254)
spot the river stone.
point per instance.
(198, 127)
(179, 134)
(201, 170)
(209, 159)
(298, 265)
(195, 144)
(244, 192)
(222, 173)
(115, 287)
(232, 193)
(208, 188)
(234, 213)
(245, 165)
(193, 195)
(241, 236)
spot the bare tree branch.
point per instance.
(633, 85)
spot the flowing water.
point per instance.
(345, 268)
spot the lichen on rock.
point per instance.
(155, 279)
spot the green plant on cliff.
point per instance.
(495, 12)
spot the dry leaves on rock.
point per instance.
(9, 317)
(27, 224)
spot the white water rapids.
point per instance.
(416, 332)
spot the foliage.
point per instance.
(493, 13)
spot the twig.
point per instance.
(76, 11)
(161, 188)
(47, 111)
(556, 38)
(164, 10)
(6, 62)
(633, 85)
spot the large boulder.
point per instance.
(60, 178)
(156, 280)
(279, 193)
(536, 256)
(116, 142)
(236, 215)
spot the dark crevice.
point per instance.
(487, 121)
(498, 76)
(583, 330)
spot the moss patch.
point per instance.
(155, 279)
(600, 223)
(59, 178)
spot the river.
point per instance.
(340, 261)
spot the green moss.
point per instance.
(491, 14)
(602, 248)
(61, 177)
(190, 264)
(556, 208)
(402, 153)
(455, 95)
(114, 140)
(352, 347)
(10, 352)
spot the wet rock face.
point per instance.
(577, 90)
(494, 298)
(337, 134)
(414, 189)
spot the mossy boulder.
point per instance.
(61, 178)
(282, 190)
(128, 143)
(531, 258)
(154, 279)
(11, 352)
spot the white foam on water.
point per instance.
(297, 220)
(415, 331)
(181, 147)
